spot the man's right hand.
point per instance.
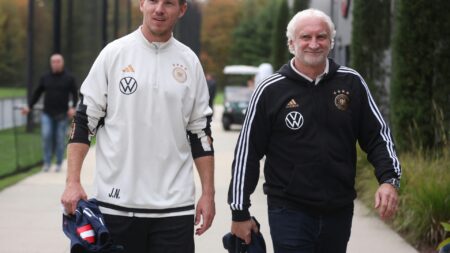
(243, 229)
(25, 110)
(72, 194)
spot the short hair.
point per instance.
(290, 30)
(181, 2)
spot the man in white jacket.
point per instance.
(146, 100)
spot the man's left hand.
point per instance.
(71, 112)
(206, 210)
(386, 199)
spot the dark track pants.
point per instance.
(296, 231)
(152, 235)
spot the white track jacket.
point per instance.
(147, 103)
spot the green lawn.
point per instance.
(218, 100)
(29, 152)
(12, 92)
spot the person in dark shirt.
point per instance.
(59, 86)
(212, 89)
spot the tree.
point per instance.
(253, 35)
(370, 45)
(12, 38)
(264, 31)
(420, 72)
(244, 51)
(299, 5)
(280, 50)
(441, 73)
(219, 18)
(187, 30)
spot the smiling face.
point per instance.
(160, 16)
(311, 42)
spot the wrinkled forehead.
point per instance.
(312, 25)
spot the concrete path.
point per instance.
(30, 211)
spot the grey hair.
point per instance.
(290, 30)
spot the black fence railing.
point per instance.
(20, 144)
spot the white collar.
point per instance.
(318, 78)
(154, 45)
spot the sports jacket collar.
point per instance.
(287, 71)
(154, 45)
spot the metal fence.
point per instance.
(20, 144)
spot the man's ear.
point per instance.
(183, 9)
(141, 5)
(291, 46)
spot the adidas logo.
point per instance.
(129, 68)
(292, 104)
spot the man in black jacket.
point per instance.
(58, 86)
(306, 120)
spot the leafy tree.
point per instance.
(80, 40)
(299, 5)
(219, 18)
(441, 66)
(420, 71)
(11, 45)
(187, 29)
(244, 49)
(43, 37)
(86, 32)
(370, 44)
(264, 29)
(280, 50)
(253, 35)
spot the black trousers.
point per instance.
(152, 235)
(296, 231)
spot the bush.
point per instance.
(420, 70)
(424, 195)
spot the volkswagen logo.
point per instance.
(294, 120)
(128, 85)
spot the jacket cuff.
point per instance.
(395, 182)
(240, 215)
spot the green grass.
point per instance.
(30, 151)
(424, 195)
(218, 100)
(12, 92)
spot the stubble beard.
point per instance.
(313, 60)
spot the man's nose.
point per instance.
(314, 43)
(159, 7)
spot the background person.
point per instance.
(212, 87)
(59, 87)
(264, 70)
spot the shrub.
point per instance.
(424, 195)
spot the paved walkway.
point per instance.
(30, 213)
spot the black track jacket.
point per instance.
(57, 87)
(308, 134)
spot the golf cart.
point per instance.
(236, 94)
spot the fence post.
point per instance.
(30, 57)
(16, 142)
